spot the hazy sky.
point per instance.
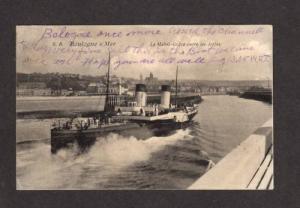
(200, 52)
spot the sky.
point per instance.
(201, 52)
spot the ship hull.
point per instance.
(140, 130)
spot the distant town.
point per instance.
(65, 84)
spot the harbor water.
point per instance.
(115, 162)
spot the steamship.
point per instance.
(137, 119)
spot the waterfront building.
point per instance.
(32, 89)
(66, 92)
(100, 88)
(33, 92)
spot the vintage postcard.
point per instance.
(131, 107)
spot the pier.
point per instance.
(264, 95)
(247, 167)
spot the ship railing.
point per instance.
(69, 125)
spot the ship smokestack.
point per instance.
(141, 95)
(165, 96)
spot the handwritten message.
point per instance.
(87, 47)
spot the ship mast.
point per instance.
(107, 85)
(176, 87)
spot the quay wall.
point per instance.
(237, 169)
(54, 107)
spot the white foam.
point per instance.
(108, 156)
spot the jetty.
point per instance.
(247, 167)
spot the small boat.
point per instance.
(137, 119)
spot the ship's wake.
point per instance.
(37, 168)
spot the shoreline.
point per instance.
(62, 113)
